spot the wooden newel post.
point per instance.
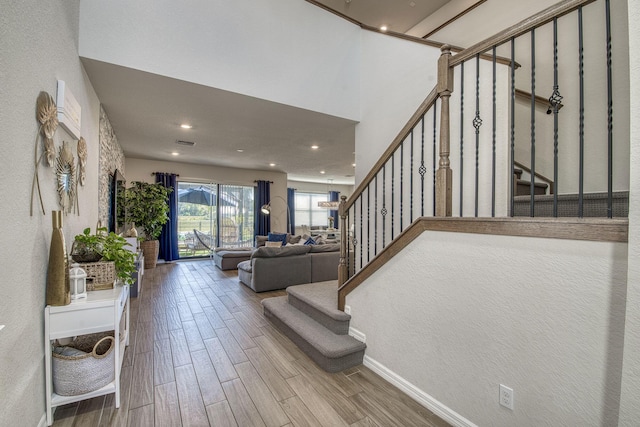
(344, 243)
(444, 175)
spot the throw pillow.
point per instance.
(273, 244)
(294, 239)
(310, 241)
(276, 237)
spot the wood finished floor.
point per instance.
(201, 353)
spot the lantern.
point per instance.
(78, 281)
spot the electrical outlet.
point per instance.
(506, 396)
(347, 309)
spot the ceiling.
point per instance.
(397, 15)
(146, 111)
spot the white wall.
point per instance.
(38, 46)
(630, 399)
(286, 51)
(448, 11)
(397, 76)
(141, 170)
(544, 317)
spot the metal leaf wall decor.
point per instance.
(82, 161)
(66, 177)
(47, 116)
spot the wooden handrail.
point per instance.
(413, 121)
(587, 229)
(537, 175)
(537, 20)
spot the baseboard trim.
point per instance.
(360, 336)
(418, 395)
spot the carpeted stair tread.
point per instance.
(320, 301)
(313, 338)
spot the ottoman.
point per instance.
(228, 258)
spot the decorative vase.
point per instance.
(58, 292)
(150, 250)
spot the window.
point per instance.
(307, 211)
(222, 213)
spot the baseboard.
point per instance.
(357, 335)
(418, 395)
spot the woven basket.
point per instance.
(78, 372)
(100, 275)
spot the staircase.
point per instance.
(309, 317)
(523, 187)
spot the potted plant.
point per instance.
(148, 206)
(89, 247)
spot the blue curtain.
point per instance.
(291, 203)
(262, 197)
(169, 236)
(334, 196)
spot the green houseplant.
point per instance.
(148, 206)
(89, 247)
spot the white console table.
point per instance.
(100, 311)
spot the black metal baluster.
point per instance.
(554, 102)
(533, 122)
(493, 158)
(422, 170)
(401, 184)
(375, 219)
(461, 136)
(434, 160)
(411, 181)
(609, 113)
(393, 199)
(368, 223)
(362, 235)
(513, 124)
(581, 75)
(477, 122)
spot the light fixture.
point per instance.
(77, 281)
(383, 28)
(175, 153)
(353, 164)
(186, 126)
(272, 164)
(314, 147)
(240, 150)
(266, 210)
(322, 172)
(329, 204)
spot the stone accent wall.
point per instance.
(111, 158)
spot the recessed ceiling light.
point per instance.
(412, 4)
(185, 126)
(322, 172)
(314, 147)
(383, 28)
(353, 164)
(272, 164)
(240, 150)
(175, 154)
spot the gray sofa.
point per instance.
(270, 268)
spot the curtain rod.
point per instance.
(153, 173)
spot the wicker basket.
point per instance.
(100, 275)
(78, 372)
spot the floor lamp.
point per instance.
(266, 209)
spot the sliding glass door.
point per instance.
(213, 215)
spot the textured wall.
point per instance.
(543, 316)
(38, 45)
(111, 158)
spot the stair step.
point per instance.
(332, 352)
(524, 187)
(517, 172)
(594, 205)
(320, 301)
